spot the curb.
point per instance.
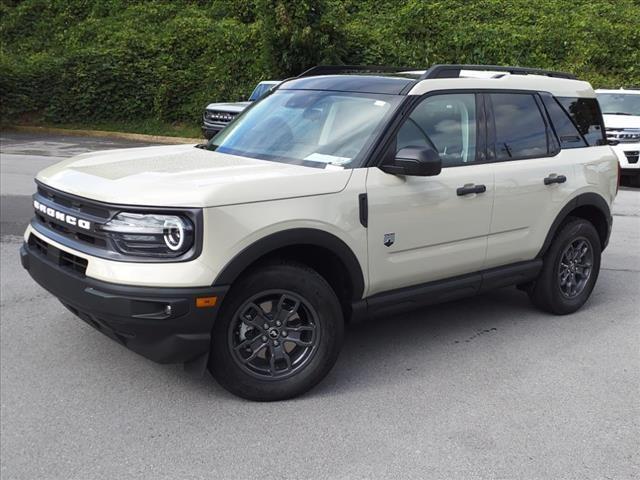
(103, 134)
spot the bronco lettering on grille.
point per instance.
(61, 216)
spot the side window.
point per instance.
(585, 113)
(564, 127)
(445, 122)
(520, 130)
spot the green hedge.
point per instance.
(117, 60)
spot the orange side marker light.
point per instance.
(205, 302)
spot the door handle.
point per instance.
(470, 188)
(553, 178)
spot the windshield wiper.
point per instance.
(618, 113)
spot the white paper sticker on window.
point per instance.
(323, 158)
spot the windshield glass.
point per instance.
(307, 127)
(260, 91)
(619, 103)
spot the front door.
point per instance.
(424, 228)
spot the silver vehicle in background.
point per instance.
(218, 115)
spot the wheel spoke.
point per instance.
(258, 321)
(286, 308)
(277, 356)
(296, 338)
(582, 248)
(255, 344)
(573, 284)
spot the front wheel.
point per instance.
(570, 269)
(278, 335)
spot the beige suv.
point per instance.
(344, 193)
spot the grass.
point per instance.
(147, 127)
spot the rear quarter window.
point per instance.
(586, 116)
(563, 126)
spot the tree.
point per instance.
(298, 34)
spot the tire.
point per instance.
(549, 293)
(250, 360)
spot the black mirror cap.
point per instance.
(415, 161)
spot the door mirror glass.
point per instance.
(415, 161)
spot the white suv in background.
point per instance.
(343, 193)
(621, 113)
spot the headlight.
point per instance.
(151, 234)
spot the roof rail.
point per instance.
(453, 71)
(337, 69)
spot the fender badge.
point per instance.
(389, 239)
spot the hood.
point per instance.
(621, 121)
(228, 107)
(185, 176)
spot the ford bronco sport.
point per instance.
(345, 192)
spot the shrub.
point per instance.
(101, 60)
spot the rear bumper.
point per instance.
(162, 324)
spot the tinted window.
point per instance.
(586, 115)
(520, 129)
(446, 123)
(565, 129)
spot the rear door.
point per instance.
(534, 177)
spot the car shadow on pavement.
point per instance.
(381, 352)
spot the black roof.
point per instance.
(392, 80)
(350, 83)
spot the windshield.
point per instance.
(260, 91)
(307, 127)
(619, 103)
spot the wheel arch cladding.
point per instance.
(589, 206)
(327, 254)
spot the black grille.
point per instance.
(61, 258)
(40, 245)
(632, 156)
(80, 206)
(220, 117)
(77, 207)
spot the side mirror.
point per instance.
(415, 161)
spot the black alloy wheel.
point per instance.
(278, 334)
(274, 334)
(569, 270)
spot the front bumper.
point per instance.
(211, 129)
(628, 156)
(162, 324)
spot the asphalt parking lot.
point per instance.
(485, 387)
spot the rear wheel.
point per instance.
(570, 269)
(278, 335)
